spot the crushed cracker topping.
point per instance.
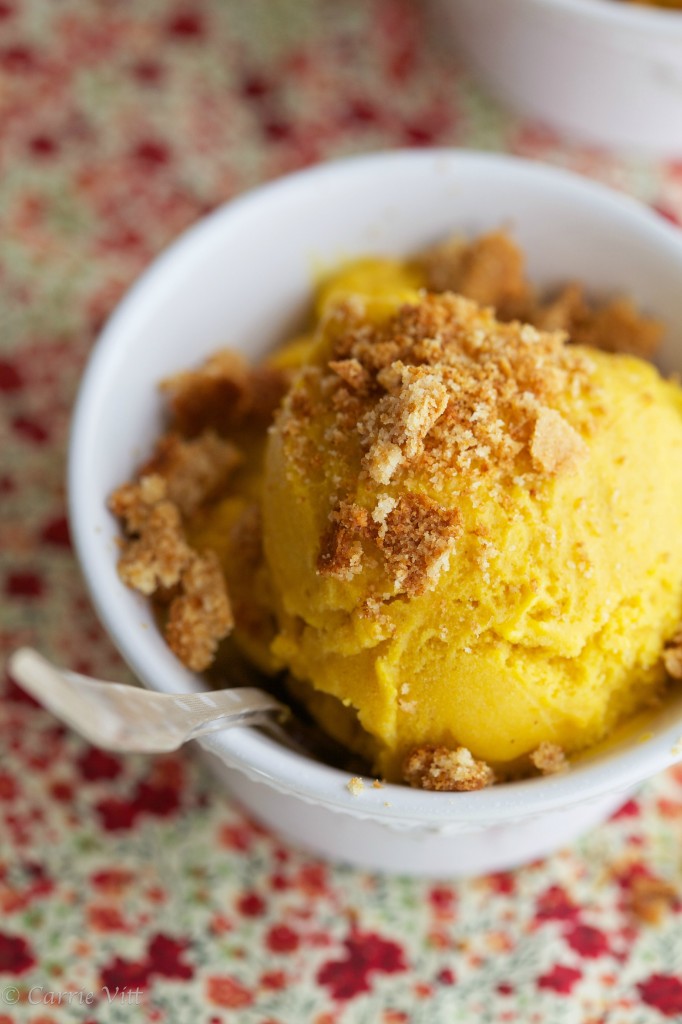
(491, 271)
(341, 552)
(420, 537)
(400, 422)
(475, 393)
(550, 759)
(650, 898)
(555, 445)
(155, 552)
(355, 786)
(563, 312)
(157, 560)
(201, 616)
(195, 471)
(618, 326)
(446, 770)
(223, 394)
(351, 372)
(439, 391)
(415, 535)
(132, 502)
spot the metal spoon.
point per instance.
(124, 718)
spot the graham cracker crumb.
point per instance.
(341, 551)
(195, 471)
(419, 539)
(373, 609)
(618, 326)
(555, 445)
(446, 770)
(650, 899)
(201, 616)
(223, 394)
(131, 502)
(477, 398)
(447, 391)
(565, 312)
(154, 552)
(377, 784)
(383, 508)
(351, 372)
(490, 270)
(157, 560)
(550, 759)
(672, 656)
(355, 786)
(415, 536)
(382, 460)
(403, 420)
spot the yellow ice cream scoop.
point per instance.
(472, 531)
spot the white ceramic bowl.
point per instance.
(242, 277)
(601, 71)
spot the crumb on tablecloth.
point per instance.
(650, 898)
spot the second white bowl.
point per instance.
(602, 71)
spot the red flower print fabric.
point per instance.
(136, 882)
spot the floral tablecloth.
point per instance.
(131, 889)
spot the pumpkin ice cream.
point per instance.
(462, 539)
(473, 534)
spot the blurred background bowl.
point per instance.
(603, 72)
(243, 277)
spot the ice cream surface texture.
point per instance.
(472, 531)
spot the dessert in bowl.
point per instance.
(393, 204)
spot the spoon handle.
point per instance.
(126, 718)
